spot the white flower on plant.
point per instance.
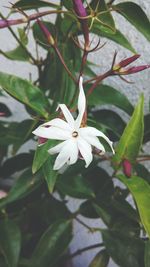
(78, 140)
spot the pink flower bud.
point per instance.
(134, 69)
(127, 167)
(46, 33)
(81, 12)
(128, 61)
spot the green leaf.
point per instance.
(126, 251)
(49, 174)
(146, 128)
(33, 4)
(136, 16)
(140, 190)
(16, 133)
(16, 54)
(111, 121)
(10, 242)
(52, 244)
(105, 94)
(25, 92)
(131, 140)
(24, 185)
(142, 172)
(100, 260)
(103, 17)
(147, 254)
(116, 37)
(41, 155)
(75, 186)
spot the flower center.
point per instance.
(75, 134)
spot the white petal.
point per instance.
(74, 152)
(58, 123)
(85, 150)
(94, 141)
(68, 116)
(52, 133)
(91, 131)
(56, 149)
(63, 156)
(81, 104)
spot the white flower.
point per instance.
(77, 139)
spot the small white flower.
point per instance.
(77, 139)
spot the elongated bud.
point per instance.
(46, 33)
(127, 167)
(133, 70)
(81, 12)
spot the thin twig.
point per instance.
(79, 251)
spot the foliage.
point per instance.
(36, 227)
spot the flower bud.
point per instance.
(127, 167)
(133, 70)
(46, 33)
(81, 12)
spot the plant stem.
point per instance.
(98, 80)
(91, 229)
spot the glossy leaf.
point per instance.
(146, 128)
(4, 110)
(111, 120)
(147, 254)
(24, 185)
(142, 172)
(25, 92)
(103, 17)
(75, 186)
(100, 260)
(16, 54)
(116, 37)
(49, 174)
(52, 244)
(126, 251)
(131, 140)
(16, 133)
(140, 190)
(41, 155)
(10, 242)
(136, 16)
(105, 94)
(33, 4)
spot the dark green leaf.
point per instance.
(49, 174)
(18, 53)
(5, 110)
(100, 260)
(76, 186)
(41, 155)
(136, 16)
(33, 4)
(125, 250)
(25, 92)
(131, 140)
(10, 242)
(87, 210)
(116, 37)
(52, 244)
(142, 171)
(111, 120)
(16, 133)
(140, 190)
(103, 17)
(105, 94)
(146, 128)
(147, 254)
(24, 185)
